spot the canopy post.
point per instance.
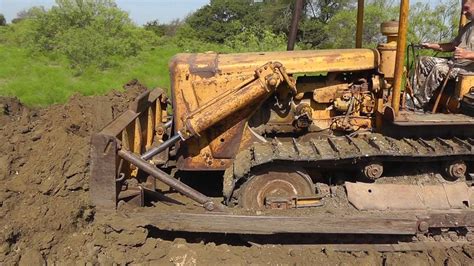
(360, 23)
(299, 5)
(462, 17)
(400, 58)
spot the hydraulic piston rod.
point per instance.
(157, 150)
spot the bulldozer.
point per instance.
(313, 141)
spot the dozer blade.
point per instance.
(116, 157)
(390, 223)
(409, 197)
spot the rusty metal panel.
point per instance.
(414, 119)
(196, 79)
(203, 65)
(303, 61)
(103, 187)
(328, 93)
(135, 131)
(226, 145)
(408, 197)
(307, 61)
(140, 103)
(116, 127)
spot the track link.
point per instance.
(356, 151)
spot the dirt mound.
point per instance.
(10, 109)
(46, 215)
(44, 171)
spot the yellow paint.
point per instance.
(150, 127)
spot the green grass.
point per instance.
(38, 80)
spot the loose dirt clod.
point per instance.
(46, 215)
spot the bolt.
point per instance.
(160, 131)
(272, 82)
(373, 171)
(209, 206)
(423, 226)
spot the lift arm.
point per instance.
(266, 80)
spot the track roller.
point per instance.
(470, 237)
(470, 234)
(455, 170)
(372, 171)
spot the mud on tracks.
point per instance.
(46, 215)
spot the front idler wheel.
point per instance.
(274, 188)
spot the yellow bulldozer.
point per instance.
(314, 141)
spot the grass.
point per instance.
(38, 80)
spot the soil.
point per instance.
(46, 216)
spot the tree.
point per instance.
(163, 29)
(277, 14)
(434, 24)
(172, 27)
(30, 13)
(221, 19)
(257, 39)
(156, 27)
(324, 10)
(324, 24)
(3, 21)
(88, 32)
(336, 27)
(344, 24)
(318, 14)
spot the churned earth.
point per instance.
(46, 216)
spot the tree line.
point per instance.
(98, 33)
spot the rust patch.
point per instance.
(226, 145)
(408, 197)
(203, 65)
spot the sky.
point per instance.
(141, 11)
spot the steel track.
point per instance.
(332, 152)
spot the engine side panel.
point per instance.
(197, 79)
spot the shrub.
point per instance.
(3, 21)
(88, 32)
(256, 39)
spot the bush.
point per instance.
(88, 32)
(251, 39)
(19, 34)
(3, 21)
(162, 29)
(221, 19)
(255, 39)
(187, 40)
(156, 27)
